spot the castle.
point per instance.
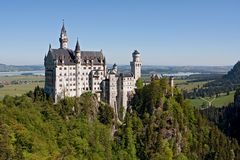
(74, 72)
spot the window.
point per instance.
(60, 85)
(65, 68)
(89, 67)
(70, 68)
(94, 67)
(65, 74)
(60, 80)
(60, 68)
(60, 74)
(73, 67)
(84, 67)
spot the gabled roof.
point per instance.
(67, 56)
(96, 56)
(62, 55)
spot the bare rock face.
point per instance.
(89, 105)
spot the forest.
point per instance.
(157, 125)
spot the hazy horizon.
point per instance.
(144, 65)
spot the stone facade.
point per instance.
(71, 73)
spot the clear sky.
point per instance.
(165, 32)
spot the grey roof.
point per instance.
(63, 54)
(77, 48)
(135, 52)
(69, 58)
(129, 74)
(96, 56)
(63, 30)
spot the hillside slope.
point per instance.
(157, 126)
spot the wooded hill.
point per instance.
(157, 126)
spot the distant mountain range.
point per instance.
(146, 69)
(15, 68)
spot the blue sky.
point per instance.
(165, 32)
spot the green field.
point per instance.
(30, 78)
(220, 101)
(188, 86)
(19, 89)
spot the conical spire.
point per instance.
(77, 48)
(50, 47)
(63, 30)
(63, 37)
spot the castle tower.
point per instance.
(63, 38)
(114, 68)
(78, 69)
(171, 84)
(136, 65)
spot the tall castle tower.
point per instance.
(136, 65)
(63, 38)
(78, 69)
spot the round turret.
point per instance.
(114, 68)
(136, 56)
